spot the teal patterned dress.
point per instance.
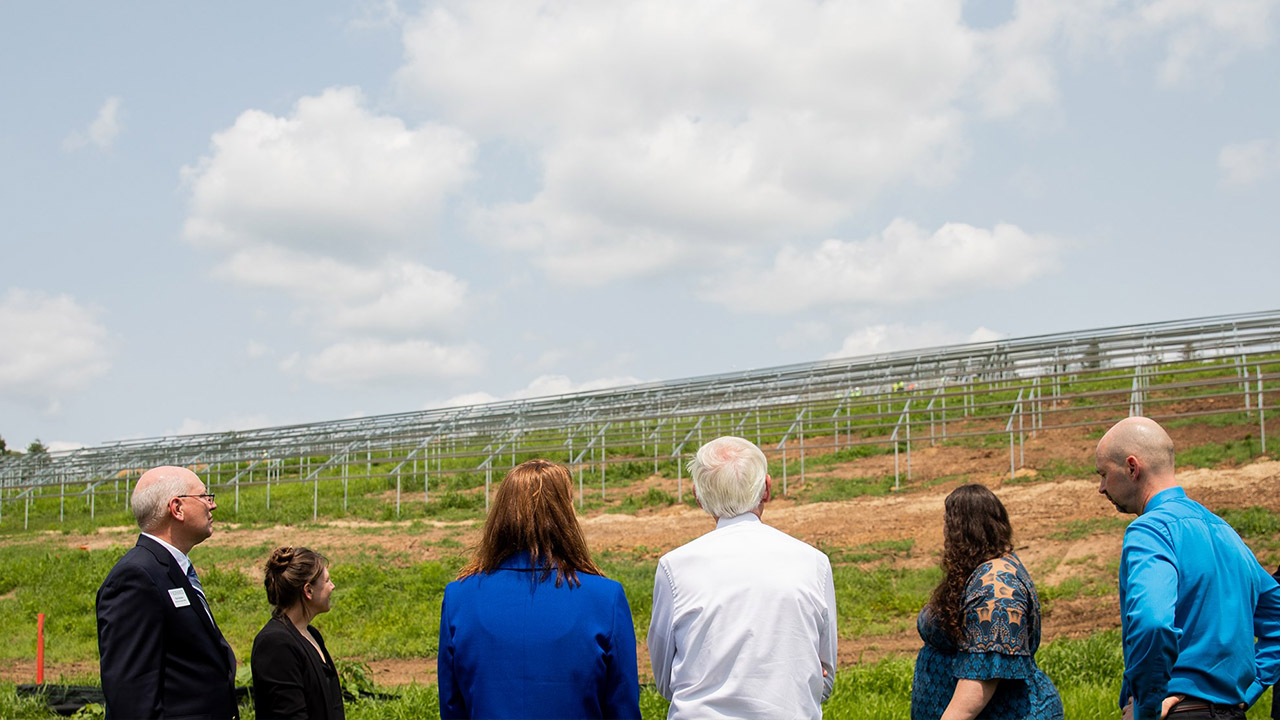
(1000, 636)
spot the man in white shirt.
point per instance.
(744, 617)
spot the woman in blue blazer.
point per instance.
(531, 628)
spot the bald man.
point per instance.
(162, 654)
(1192, 595)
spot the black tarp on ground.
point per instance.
(67, 699)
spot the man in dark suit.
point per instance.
(162, 654)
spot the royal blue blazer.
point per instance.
(514, 647)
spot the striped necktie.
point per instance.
(195, 583)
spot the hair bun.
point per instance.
(280, 559)
(287, 572)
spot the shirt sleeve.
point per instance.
(995, 640)
(827, 636)
(453, 703)
(622, 681)
(1147, 607)
(1266, 628)
(662, 648)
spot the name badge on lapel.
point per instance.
(179, 597)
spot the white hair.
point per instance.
(150, 501)
(728, 474)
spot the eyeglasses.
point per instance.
(207, 497)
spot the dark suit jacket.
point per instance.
(159, 660)
(290, 681)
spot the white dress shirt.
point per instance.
(743, 625)
(184, 562)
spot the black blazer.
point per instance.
(161, 655)
(290, 681)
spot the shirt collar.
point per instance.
(746, 517)
(1164, 496)
(184, 562)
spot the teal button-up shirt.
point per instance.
(1192, 599)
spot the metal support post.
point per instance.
(1248, 410)
(679, 480)
(907, 410)
(1262, 416)
(784, 469)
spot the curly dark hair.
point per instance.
(975, 529)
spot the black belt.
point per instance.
(1193, 704)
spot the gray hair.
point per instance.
(728, 474)
(150, 502)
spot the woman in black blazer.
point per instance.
(293, 675)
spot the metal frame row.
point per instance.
(667, 419)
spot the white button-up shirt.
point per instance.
(744, 625)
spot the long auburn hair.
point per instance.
(975, 529)
(533, 512)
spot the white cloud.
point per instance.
(669, 134)
(1196, 39)
(471, 398)
(880, 339)
(562, 385)
(377, 14)
(1248, 163)
(52, 346)
(102, 132)
(542, 386)
(667, 130)
(195, 426)
(1205, 35)
(805, 333)
(393, 297)
(332, 206)
(332, 178)
(904, 264)
(366, 362)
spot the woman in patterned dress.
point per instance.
(981, 628)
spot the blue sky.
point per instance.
(235, 215)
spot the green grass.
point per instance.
(387, 606)
(1080, 529)
(836, 489)
(1057, 469)
(880, 600)
(652, 498)
(877, 551)
(978, 442)
(1209, 455)
(1251, 522)
(1221, 420)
